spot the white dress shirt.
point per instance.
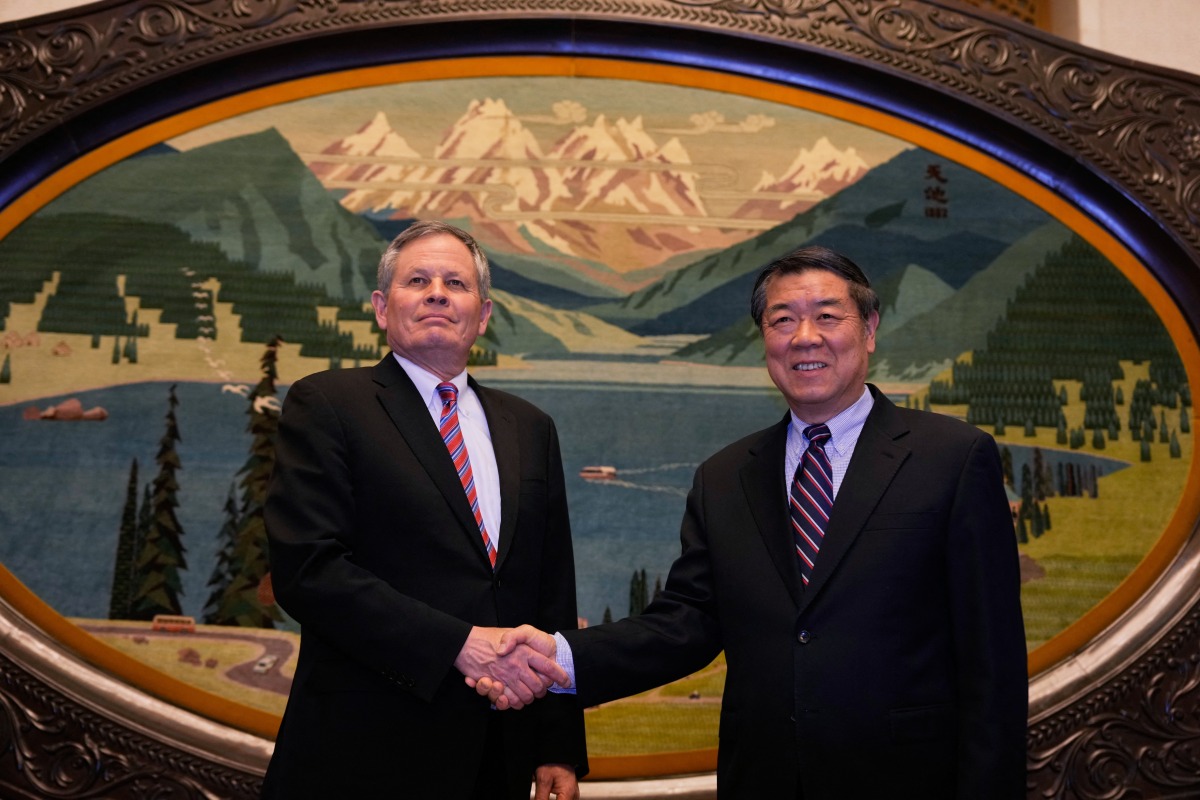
(844, 430)
(476, 434)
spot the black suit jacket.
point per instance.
(899, 672)
(375, 551)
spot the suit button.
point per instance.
(803, 637)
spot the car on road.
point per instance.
(264, 664)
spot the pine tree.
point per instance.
(161, 558)
(243, 602)
(222, 574)
(6, 370)
(119, 600)
(145, 518)
(638, 593)
(635, 593)
(1175, 450)
(1041, 476)
(607, 618)
(116, 354)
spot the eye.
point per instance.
(418, 280)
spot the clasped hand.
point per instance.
(510, 666)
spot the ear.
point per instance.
(485, 313)
(872, 326)
(379, 303)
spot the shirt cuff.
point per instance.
(565, 660)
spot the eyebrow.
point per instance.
(822, 303)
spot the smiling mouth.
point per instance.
(810, 366)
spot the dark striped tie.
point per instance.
(811, 498)
(452, 436)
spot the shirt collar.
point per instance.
(845, 427)
(427, 383)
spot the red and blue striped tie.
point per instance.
(811, 498)
(452, 436)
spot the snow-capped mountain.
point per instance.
(365, 156)
(815, 174)
(606, 200)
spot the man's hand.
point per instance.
(513, 643)
(530, 636)
(525, 673)
(555, 779)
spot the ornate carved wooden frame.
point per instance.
(1118, 141)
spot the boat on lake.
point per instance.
(598, 473)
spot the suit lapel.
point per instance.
(408, 412)
(506, 445)
(763, 482)
(876, 460)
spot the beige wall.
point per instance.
(1161, 32)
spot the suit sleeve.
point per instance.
(310, 521)
(989, 635)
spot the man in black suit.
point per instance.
(411, 512)
(878, 655)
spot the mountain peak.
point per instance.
(375, 138)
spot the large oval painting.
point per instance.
(155, 314)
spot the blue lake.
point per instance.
(64, 483)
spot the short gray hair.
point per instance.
(387, 264)
(803, 259)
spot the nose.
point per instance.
(436, 293)
(806, 334)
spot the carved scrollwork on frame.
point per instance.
(1138, 736)
(52, 747)
(48, 71)
(1137, 128)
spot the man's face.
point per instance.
(432, 312)
(817, 343)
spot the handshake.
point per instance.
(511, 666)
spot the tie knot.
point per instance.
(818, 435)
(448, 393)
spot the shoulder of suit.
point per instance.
(337, 381)
(931, 422)
(743, 448)
(500, 399)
